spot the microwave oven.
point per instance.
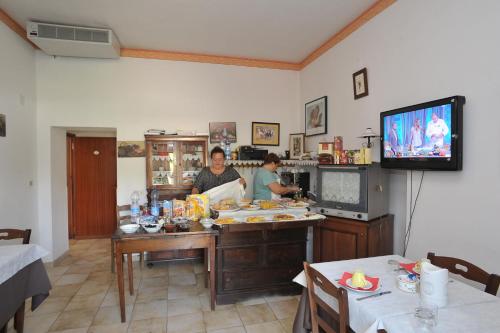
(351, 191)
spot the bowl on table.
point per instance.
(152, 228)
(207, 223)
(129, 228)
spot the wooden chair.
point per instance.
(471, 271)
(320, 311)
(7, 234)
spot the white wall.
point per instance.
(17, 149)
(133, 95)
(417, 51)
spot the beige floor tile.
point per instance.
(50, 305)
(176, 292)
(271, 327)
(161, 281)
(57, 269)
(112, 299)
(287, 324)
(113, 328)
(147, 295)
(39, 324)
(254, 314)
(101, 276)
(239, 329)
(92, 288)
(71, 279)
(108, 315)
(73, 330)
(73, 319)
(154, 309)
(278, 298)
(183, 280)
(180, 268)
(155, 325)
(205, 305)
(155, 272)
(252, 301)
(184, 306)
(221, 319)
(80, 269)
(285, 309)
(66, 290)
(85, 302)
(188, 323)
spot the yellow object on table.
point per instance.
(197, 206)
(358, 279)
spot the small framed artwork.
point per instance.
(296, 145)
(360, 83)
(315, 113)
(219, 131)
(131, 149)
(265, 134)
(3, 125)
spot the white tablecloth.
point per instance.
(468, 309)
(13, 258)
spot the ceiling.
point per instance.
(280, 30)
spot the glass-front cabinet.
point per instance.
(173, 162)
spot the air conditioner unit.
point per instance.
(72, 41)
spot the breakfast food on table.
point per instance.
(225, 220)
(245, 201)
(283, 217)
(268, 204)
(297, 204)
(418, 265)
(179, 208)
(225, 204)
(249, 207)
(197, 206)
(256, 219)
(358, 279)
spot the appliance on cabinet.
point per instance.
(251, 153)
(352, 191)
(299, 179)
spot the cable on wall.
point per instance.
(412, 209)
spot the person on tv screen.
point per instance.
(416, 134)
(436, 130)
(393, 138)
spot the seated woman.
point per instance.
(216, 174)
(266, 181)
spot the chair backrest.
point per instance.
(16, 233)
(122, 213)
(341, 318)
(468, 271)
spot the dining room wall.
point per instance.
(18, 149)
(133, 95)
(416, 51)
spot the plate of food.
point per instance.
(256, 219)
(413, 267)
(268, 205)
(250, 207)
(283, 217)
(297, 204)
(226, 220)
(226, 205)
(360, 282)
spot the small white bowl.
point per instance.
(129, 228)
(207, 223)
(406, 284)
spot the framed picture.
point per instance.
(315, 113)
(265, 134)
(3, 125)
(131, 149)
(360, 83)
(296, 145)
(219, 131)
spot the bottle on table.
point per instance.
(135, 210)
(155, 205)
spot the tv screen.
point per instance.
(425, 136)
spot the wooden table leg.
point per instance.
(130, 274)
(119, 278)
(205, 262)
(19, 319)
(212, 272)
(112, 255)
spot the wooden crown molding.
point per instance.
(367, 15)
(14, 26)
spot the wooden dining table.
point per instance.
(193, 237)
(468, 309)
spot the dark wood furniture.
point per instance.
(6, 234)
(340, 323)
(341, 239)
(196, 237)
(257, 259)
(468, 271)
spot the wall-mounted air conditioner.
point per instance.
(72, 41)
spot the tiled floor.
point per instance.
(169, 298)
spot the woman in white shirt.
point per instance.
(416, 134)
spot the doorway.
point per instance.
(91, 172)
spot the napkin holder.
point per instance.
(433, 285)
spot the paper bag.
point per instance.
(225, 191)
(433, 284)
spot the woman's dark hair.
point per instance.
(216, 150)
(271, 158)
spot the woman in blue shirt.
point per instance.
(266, 181)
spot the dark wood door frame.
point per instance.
(70, 146)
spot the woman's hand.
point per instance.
(293, 189)
(243, 182)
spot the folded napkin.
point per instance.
(434, 284)
(346, 276)
(409, 267)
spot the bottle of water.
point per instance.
(155, 205)
(227, 149)
(134, 206)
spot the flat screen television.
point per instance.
(426, 136)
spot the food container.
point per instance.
(325, 148)
(151, 228)
(129, 228)
(408, 283)
(207, 223)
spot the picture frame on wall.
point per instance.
(297, 145)
(360, 83)
(3, 125)
(265, 134)
(220, 130)
(316, 116)
(131, 149)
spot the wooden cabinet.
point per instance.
(173, 162)
(341, 239)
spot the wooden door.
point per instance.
(94, 187)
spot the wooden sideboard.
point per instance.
(341, 239)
